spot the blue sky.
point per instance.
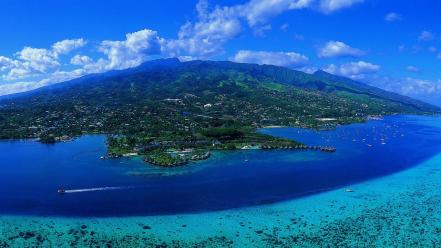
(395, 45)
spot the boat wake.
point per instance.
(71, 191)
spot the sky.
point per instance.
(394, 44)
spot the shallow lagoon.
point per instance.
(400, 207)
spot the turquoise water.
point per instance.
(398, 205)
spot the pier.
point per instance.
(300, 147)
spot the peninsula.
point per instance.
(173, 112)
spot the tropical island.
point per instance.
(173, 112)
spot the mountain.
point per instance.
(169, 99)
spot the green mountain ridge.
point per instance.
(169, 100)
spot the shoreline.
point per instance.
(314, 220)
(72, 138)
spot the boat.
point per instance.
(61, 191)
(349, 190)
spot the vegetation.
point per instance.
(165, 106)
(47, 139)
(164, 159)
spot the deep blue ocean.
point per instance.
(31, 173)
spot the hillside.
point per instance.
(166, 100)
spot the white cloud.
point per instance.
(307, 69)
(358, 68)
(30, 61)
(426, 36)
(6, 63)
(17, 87)
(38, 59)
(329, 6)
(131, 52)
(258, 11)
(186, 58)
(100, 65)
(56, 77)
(411, 68)
(334, 49)
(80, 60)
(61, 76)
(392, 17)
(44, 63)
(34, 61)
(207, 36)
(19, 72)
(287, 59)
(354, 70)
(66, 46)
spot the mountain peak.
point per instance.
(322, 73)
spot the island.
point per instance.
(171, 112)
